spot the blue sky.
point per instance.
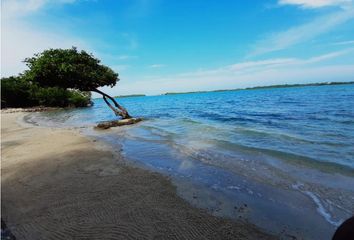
(162, 46)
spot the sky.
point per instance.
(160, 46)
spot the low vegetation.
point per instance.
(21, 92)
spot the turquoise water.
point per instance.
(287, 152)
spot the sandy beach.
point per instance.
(57, 184)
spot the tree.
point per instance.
(73, 69)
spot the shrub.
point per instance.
(16, 92)
(20, 92)
(79, 99)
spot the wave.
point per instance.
(320, 207)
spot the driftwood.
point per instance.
(117, 123)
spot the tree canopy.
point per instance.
(60, 77)
(69, 68)
(73, 69)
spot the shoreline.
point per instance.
(59, 184)
(29, 109)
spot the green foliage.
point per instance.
(16, 92)
(69, 68)
(20, 92)
(79, 99)
(57, 78)
(52, 97)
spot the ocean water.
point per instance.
(282, 158)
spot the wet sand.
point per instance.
(57, 184)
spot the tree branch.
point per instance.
(123, 112)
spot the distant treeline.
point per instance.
(131, 95)
(263, 87)
(20, 92)
(300, 85)
(126, 96)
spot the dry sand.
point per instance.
(57, 184)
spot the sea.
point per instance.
(280, 158)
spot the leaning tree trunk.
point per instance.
(118, 109)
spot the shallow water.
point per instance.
(285, 153)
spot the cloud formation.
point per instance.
(245, 74)
(157, 65)
(317, 3)
(344, 42)
(21, 40)
(19, 8)
(302, 33)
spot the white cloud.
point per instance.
(317, 3)
(157, 65)
(252, 66)
(329, 56)
(344, 43)
(119, 68)
(303, 33)
(20, 39)
(126, 57)
(229, 80)
(17, 8)
(20, 8)
(244, 74)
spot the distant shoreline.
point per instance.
(130, 95)
(264, 87)
(239, 89)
